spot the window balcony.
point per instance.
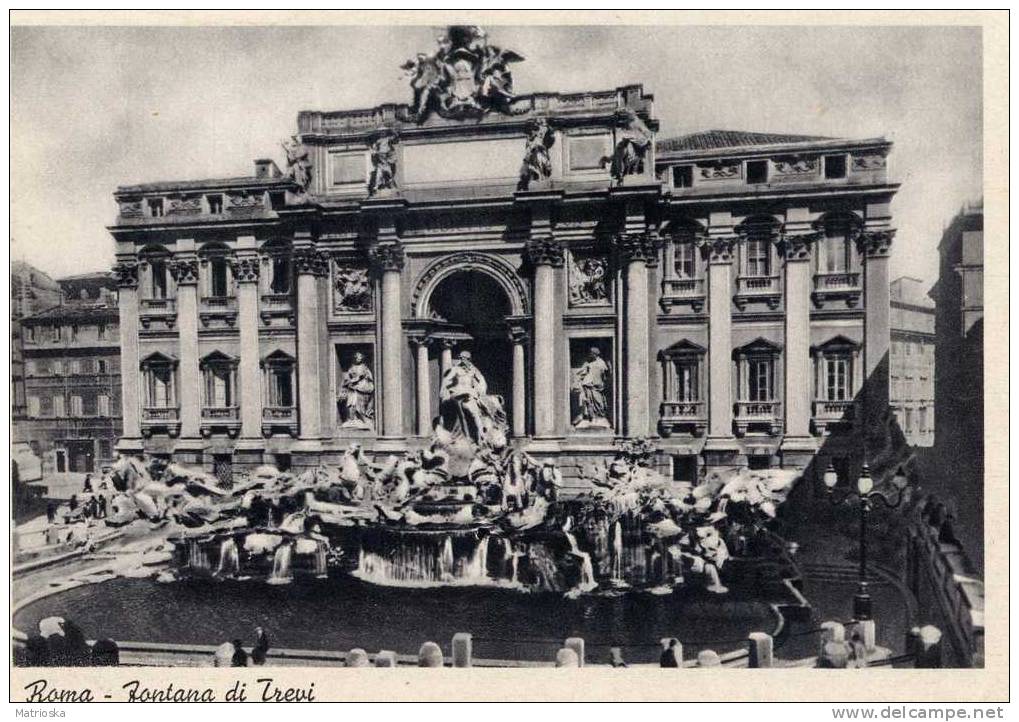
(277, 306)
(683, 417)
(218, 311)
(221, 418)
(758, 416)
(158, 312)
(165, 419)
(837, 287)
(682, 291)
(277, 419)
(833, 413)
(758, 289)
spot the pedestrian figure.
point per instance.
(51, 511)
(240, 658)
(857, 651)
(616, 657)
(102, 507)
(668, 658)
(72, 504)
(88, 484)
(258, 652)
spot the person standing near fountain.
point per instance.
(261, 648)
(357, 393)
(668, 658)
(240, 657)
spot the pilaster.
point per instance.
(184, 268)
(388, 259)
(875, 246)
(545, 254)
(245, 267)
(309, 265)
(798, 444)
(720, 446)
(126, 272)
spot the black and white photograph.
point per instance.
(418, 343)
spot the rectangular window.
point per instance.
(215, 204)
(837, 375)
(30, 334)
(160, 387)
(684, 468)
(90, 405)
(757, 171)
(33, 405)
(101, 366)
(280, 281)
(836, 253)
(281, 391)
(76, 406)
(58, 333)
(909, 420)
(687, 387)
(758, 257)
(58, 406)
(155, 207)
(57, 368)
(760, 379)
(158, 289)
(105, 449)
(682, 176)
(103, 405)
(218, 387)
(74, 332)
(835, 166)
(218, 279)
(101, 332)
(684, 263)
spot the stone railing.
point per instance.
(758, 289)
(218, 302)
(279, 418)
(678, 291)
(828, 413)
(675, 416)
(764, 413)
(221, 417)
(228, 413)
(167, 305)
(160, 413)
(836, 286)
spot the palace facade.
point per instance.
(724, 292)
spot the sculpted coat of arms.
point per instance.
(465, 77)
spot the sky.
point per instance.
(94, 108)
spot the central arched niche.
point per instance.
(474, 303)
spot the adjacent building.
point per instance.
(912, 360)
(725, 292)
(71, 355)
(31, 292)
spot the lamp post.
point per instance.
(868, 496)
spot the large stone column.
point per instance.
(388, 258)
(185, 273)
(423, 386)
(798, 444)
(876, 246)
(720, 257)
(518, 337)
(245, 270)
(638, 251)
(545, 254)
(309, 265)
(130, 388)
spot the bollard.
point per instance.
(566, 657)
(834, 655)
(357, 657)
(385, 658)
(868, 633)
(105, 653)
(928, 648)
(462, 649)
(678, 649)
(762, 648)
(577, 645)
(831, 632)
(430, 655)
(708, 658)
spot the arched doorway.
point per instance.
(473, 307)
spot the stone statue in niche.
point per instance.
(537, 164)
(633, 140)
(357, 395)
(591, 383)
(352, 292)
(467, 410)
(383, 158)
(298, 163)
(589, 280)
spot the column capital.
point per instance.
(635, 247)
(308, 261)
(876, 244)
(388, 256)
(245, 269)
(517, 334)
(419, 338)
(720, 249)
(127, 274)
(184, 271)
(544, 251)
(799, 246)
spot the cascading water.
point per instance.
(198, 558)
(321, 562)
(587, 581)
(617, 553)
(424, 559)
(446, 559)
(229, 560)
(281, 573)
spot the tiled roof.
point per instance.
(710, 139)
(75, 311)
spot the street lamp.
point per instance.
(868, 496)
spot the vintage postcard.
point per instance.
(565, 353)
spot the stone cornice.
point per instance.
(544, 251)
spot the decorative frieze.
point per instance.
(184, 271)
(246, 270)
(876, 244)
(718, 170)
(796, 165)
(589, 278)
(388, 256)
(131, 208)
(127, 274)
(870, 161)
(245, 201)
(639, 247)
(352, 290)
(544, 251)
(185, 206)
